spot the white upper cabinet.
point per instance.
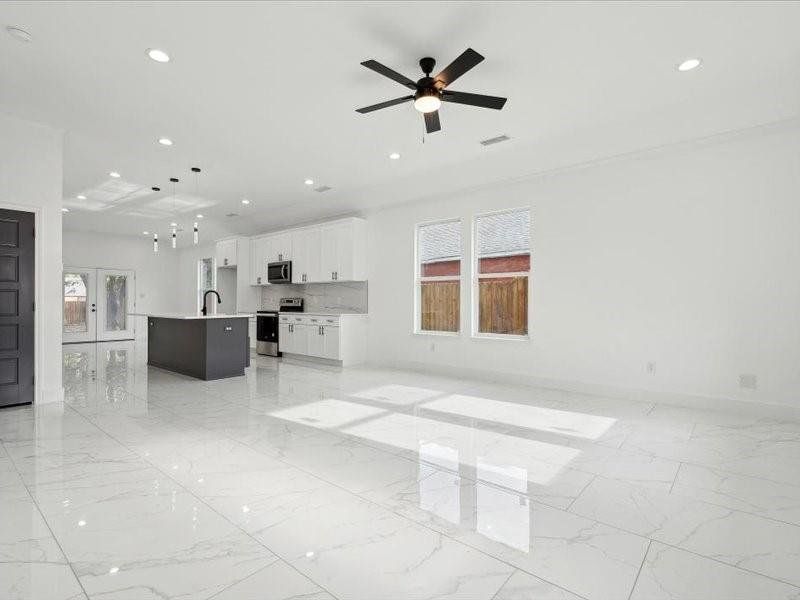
(306, 252)
(226, 253)
(333, 251)
(259, 253)
(344, 246)
(280, 247)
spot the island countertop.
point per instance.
(192, 316)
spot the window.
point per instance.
(206, 280)
(438, 277)
(501, 267)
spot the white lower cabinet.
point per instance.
(331, 347)
(293, 336)
(340, 338)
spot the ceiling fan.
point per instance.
(430, 92)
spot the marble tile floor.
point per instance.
(306, 482)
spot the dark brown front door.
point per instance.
(16, 307)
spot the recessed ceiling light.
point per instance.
(245, 201)
(19, 34)
(394, 155)
(145, 233)
(81, 197)
(689, 64)
(65, 209)
(309, 182)
(173, 224)
(81, 523)
(199, 216)
(114, 174)
(158, 55)
(113, 570)
(165, 141)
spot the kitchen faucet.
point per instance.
(219, 300)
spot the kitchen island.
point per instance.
(205, 347)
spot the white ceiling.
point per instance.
(262, 96)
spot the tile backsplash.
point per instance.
(344, 297)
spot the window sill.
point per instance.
(438, 333)
(500, 336)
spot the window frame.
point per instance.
(418, 280)
(199, 278)
(476, 277)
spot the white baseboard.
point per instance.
(309, 360)
(696, 401)
(49, 396)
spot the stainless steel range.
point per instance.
(267, 326)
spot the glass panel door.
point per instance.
(115, 292)
(80, 305)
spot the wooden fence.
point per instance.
(503, 304)
(75, 313)
(441, 306)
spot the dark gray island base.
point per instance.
(204, 347)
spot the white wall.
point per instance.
(156, 273)
(186, 281)
(233, 284)
(31, 159)
(686, 256)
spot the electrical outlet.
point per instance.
(748, 381)
(651, 368)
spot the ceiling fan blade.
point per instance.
(474, 99)
(391, 74)
(386, 104)
(468, 59)
(432, 121)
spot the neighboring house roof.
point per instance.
(440, 241)
(499, 234)
(504, 233)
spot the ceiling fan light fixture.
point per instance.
(427, 101)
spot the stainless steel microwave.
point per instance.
(279, 272)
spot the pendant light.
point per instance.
(196, 232)
(155, 235)
(174, 180)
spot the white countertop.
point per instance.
(192, 316)
(320, 313)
